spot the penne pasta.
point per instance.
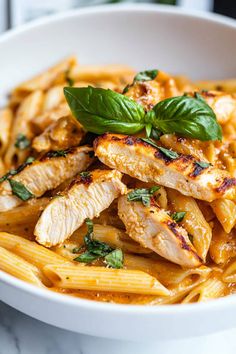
(229, 275)
(30, 251)
(18, 267)
(194, 221)
(6, 118)
(29, 108)
(155, 210)
(223, 244)
(225, 211)
(210, 289)
(104, 279)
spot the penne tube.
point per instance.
(53, 97)
(229, 275)
(96, 73)
(228, 85)
(27, 213)
(225, 211)
(194, 221)
(30, 251)
(103, 279)
(28, 109)
(6, 118)
(18, 267)
(223, 244)
(45, 80)
(210, 289)
(167, 273)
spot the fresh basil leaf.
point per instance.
(100, 110)
(203, 164)
(146, 75)
(115, 259)
(168, 153)
(178, 216)
(20, 190)
(142, 195)
(22, 142)
(187, 116)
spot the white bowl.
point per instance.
(199, 45)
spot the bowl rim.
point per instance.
(92, 305)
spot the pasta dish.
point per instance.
(120, 186)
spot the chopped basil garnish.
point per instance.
(147, 75)
(20, 190)
(85, 174)
(58, 153)
(22, 142)
(8, 174)
(115, 259)
(178, 216)
(95, 249)
(142, 195)
(203, 164)
(168, 153)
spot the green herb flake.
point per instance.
(58, 153)
(178, 216)
(20, 190)
(203, 164)
(85, 174)
(115, 259)
(95, 249)
(147, 75)
(142, 195)
(168, 153)
(22, 142)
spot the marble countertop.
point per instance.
(20, 334)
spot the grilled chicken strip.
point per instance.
(152, 227)
(185, 173)
(45, 174)
(86, 197)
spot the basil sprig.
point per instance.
(95, 249)
(100, 110)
